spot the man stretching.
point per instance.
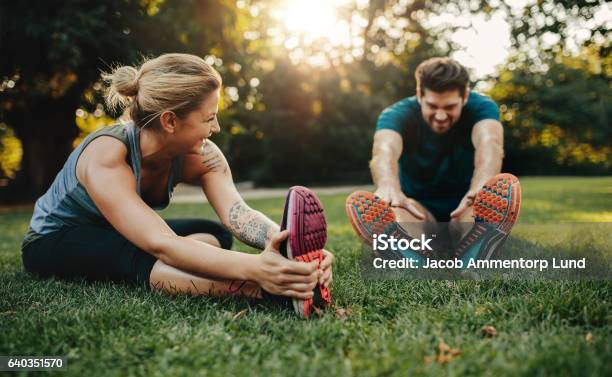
(436, 157)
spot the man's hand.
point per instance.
(397, 198)
(466, 202)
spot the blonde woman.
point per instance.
(97, 220)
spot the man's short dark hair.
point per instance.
(441, 75)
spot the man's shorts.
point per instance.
(440, 207)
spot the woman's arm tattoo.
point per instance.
(250, 226)
(212, 158)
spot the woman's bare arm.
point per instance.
(110, 182)
(250, 226)
(211, 170)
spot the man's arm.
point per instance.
(386, 152)
(488, 141)
(384, 166)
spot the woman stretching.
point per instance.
(97, 220)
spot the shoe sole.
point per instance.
(304, 218)
(370, 215)
(496, 210)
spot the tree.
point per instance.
(57, 50)
(307, 122)
(298, 112)
(558, 121)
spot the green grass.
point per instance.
(393, 327)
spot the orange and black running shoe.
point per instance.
(372, 216)
(496, 209)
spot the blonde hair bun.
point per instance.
(170, 82)
(122, 84)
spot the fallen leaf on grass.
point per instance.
(239, 314)
(342, 313)
(443, 347)
(443, 358)
(489, 331)
(444, 354)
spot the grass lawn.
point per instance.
(375, 328)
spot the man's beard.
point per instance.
(441, 127)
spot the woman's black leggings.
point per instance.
(99, 253)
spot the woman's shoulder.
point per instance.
(210, 160)
(104, 150)
(118, 131)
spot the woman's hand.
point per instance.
(326, 267)
(278, 275)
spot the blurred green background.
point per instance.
(304, 81)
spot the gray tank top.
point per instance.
(67, 203)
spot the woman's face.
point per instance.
(194, 129)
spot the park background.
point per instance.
(304, 81)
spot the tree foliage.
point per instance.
(558, 121)
(302, 110)
(57, 50)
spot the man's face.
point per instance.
(441, 110)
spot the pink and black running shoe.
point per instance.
(304, 218)
(496, 209)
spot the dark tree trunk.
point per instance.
(46, 132)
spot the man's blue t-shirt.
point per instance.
(434, 166)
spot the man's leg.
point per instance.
(372, 216)
(404, 216)
(412, 225)
(460, 226)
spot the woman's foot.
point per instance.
(304, 218)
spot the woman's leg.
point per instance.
(208, 231)
(97, 253)
(88, 252)
(175, 281)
